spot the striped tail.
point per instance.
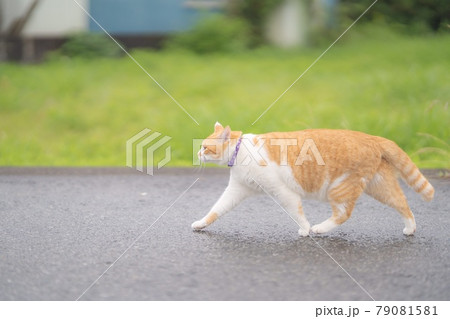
(408, 170)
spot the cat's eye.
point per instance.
(208, 150)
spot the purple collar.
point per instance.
(236, 150)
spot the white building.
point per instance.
(50, 18)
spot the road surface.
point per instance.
(63, 228)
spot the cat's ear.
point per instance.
(226, 134)
(218, 127)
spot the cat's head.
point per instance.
(215, 148)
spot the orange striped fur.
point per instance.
(356, 153)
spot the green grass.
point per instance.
(75, 112)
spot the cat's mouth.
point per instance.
(206, 159)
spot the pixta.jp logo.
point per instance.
(142, 147)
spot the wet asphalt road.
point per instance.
(62, 228)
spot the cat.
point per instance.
(336, 166)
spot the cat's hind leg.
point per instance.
(342, 198)
(385, 188)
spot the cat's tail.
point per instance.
(407, 169)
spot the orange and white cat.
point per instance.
(336, 166)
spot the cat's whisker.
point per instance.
(202, 168)
(199, 169)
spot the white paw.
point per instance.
(410, 226)
(303, 232)
(318, 229)
(409, 231)
(199, 224)
(323, 227)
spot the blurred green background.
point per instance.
(388, 76)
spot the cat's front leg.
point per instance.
(231, 197)
(292, 204)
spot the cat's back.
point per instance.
(335, 135)
(328, 140)
(318, 156)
